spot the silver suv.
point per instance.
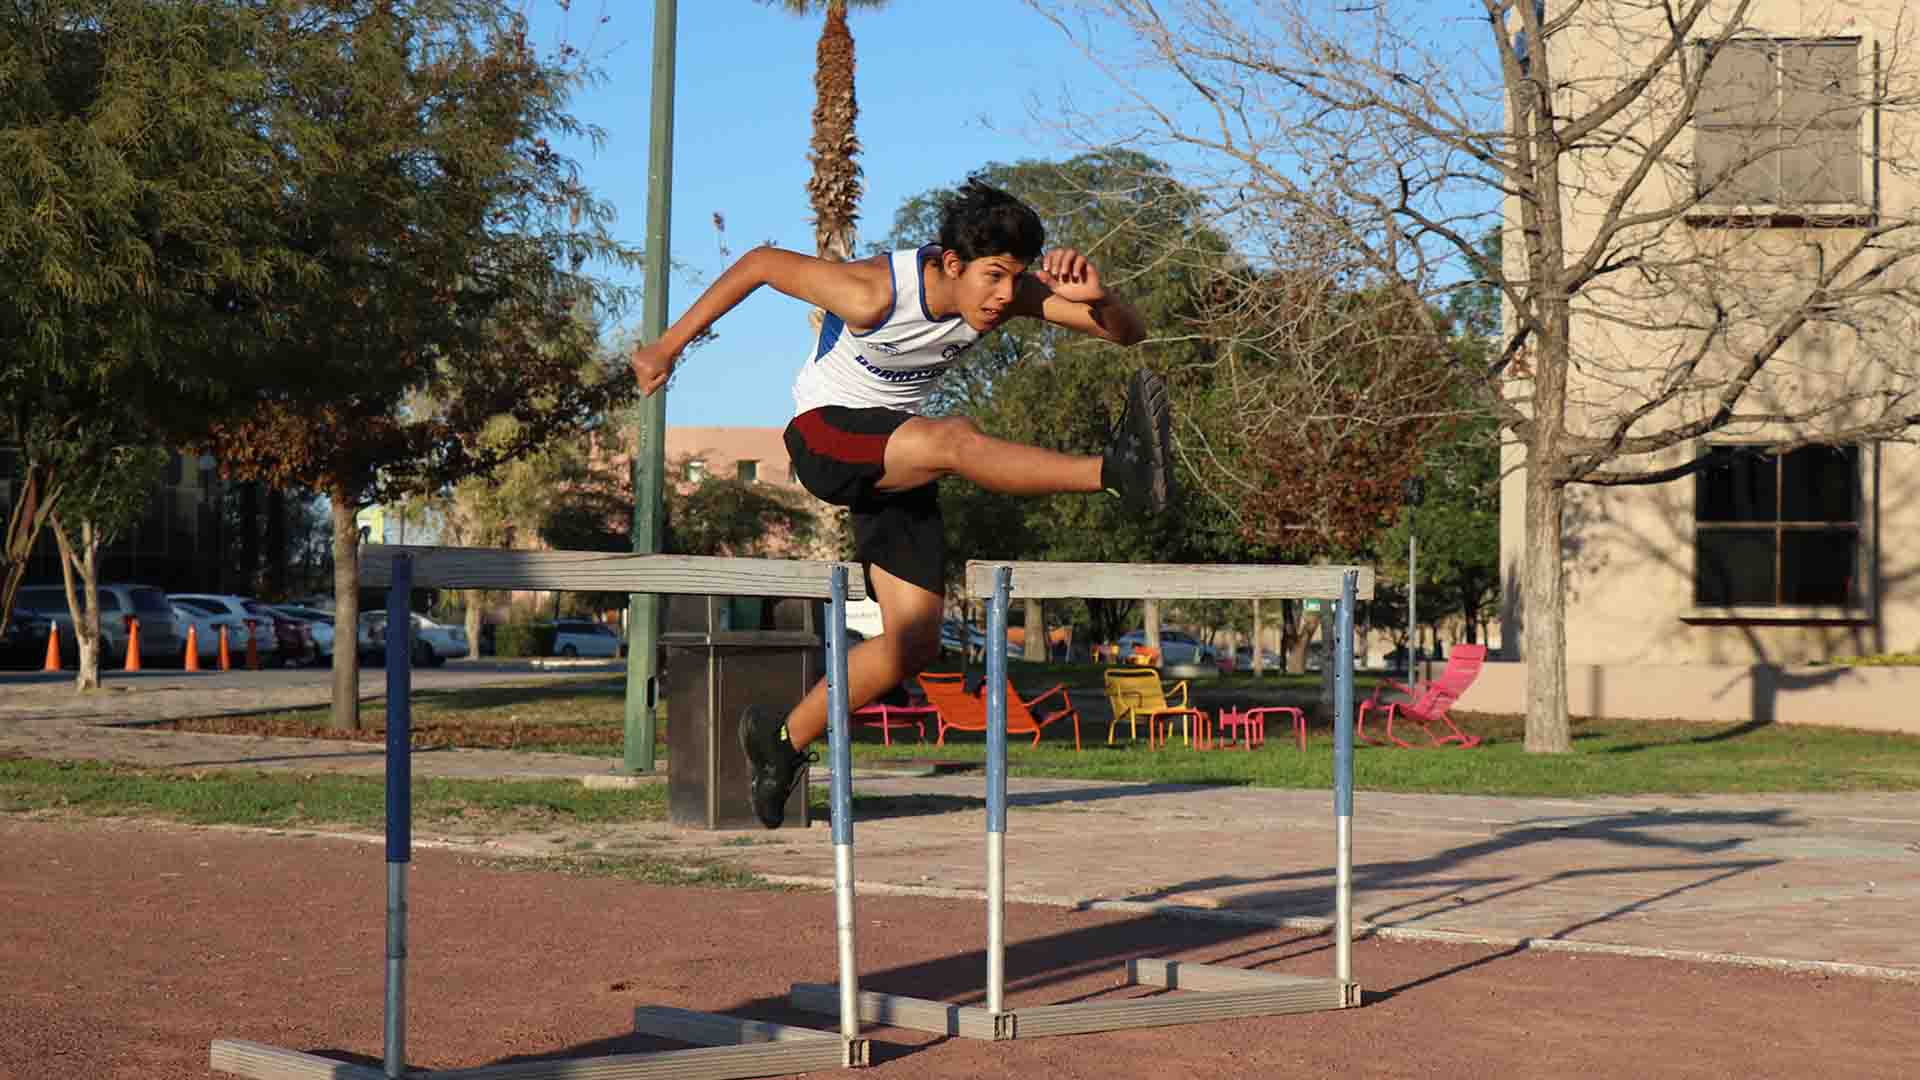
(161, 639)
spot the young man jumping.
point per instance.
(893, 324)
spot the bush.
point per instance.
(523, 639)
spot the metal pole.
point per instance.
(650, 446)
(997, 789)
(840, 752)
(399, 806)
(1413, 624)
(1343, 780)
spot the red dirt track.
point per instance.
(126, 948)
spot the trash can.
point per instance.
(723, 654)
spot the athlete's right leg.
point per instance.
(1138, 465)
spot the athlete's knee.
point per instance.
(916, 644)
(953, 440)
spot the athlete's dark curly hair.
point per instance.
(981, 220)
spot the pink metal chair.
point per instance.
(888, 717)
(1253, 724)
(1429, 702)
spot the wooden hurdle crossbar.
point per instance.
(1214, 992)
(726, 1047)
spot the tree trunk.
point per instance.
(475, 597)
(346, 616)
(1258, 667)
(1543, 613)
(1150, 610)
(83, 606)
(1036, 647)
(1302, 638)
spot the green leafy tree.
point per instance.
(447, 238)
(110, 476)
(130, 272)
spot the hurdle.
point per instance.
(725, 1047)
(1217, 992)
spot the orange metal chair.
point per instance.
(957, 710)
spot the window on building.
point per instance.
(696, 469)
(1779, 530)
(746, 471)
(1777, 124)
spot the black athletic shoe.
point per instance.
(1138, 467)
(776, 764)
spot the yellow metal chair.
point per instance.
(1137, 695)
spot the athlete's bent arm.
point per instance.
(1065, 289)
(860, 293)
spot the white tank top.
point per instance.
(892, 366)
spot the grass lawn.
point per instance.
(1615, 757)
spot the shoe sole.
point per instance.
(1147, 395)
(745, 732)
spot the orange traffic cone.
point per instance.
(226, 658)
(53, 649)
(193, 648)
(133, 644)
(253, 649)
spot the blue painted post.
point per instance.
(399, 805)
(840, 754)
(1343, 778)
(997, 788)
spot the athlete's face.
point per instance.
(984, 288)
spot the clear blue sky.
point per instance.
(944, 87)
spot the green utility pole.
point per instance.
(650, 449)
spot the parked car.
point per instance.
(206, 630)
(1176, 647)
(162, 640)
(585, 637)
(1243, 659)
(319, 628)
(433, 643)
(260, 627)
(23, 640)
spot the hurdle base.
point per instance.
(1211, 992)
(734, 1049)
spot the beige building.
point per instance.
(1719, 595)
(757, 454)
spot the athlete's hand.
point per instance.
(652, 366)
(1071, 276)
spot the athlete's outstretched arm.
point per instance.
(1065, 289)
(861, 293)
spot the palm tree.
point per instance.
(834, 189)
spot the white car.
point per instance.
(206, 632)
(584, 637)
(259, 624)
(433, 643)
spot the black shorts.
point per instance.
(839, 454)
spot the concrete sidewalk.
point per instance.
(1825, 882)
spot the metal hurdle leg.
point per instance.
(399, 807)
(1214, 992)
(734, 1048)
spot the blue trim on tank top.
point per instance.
(920, 258)
(830, 329)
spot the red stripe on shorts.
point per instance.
(828, 441)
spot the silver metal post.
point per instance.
(840, 751)
(396, 1023)
(1343, 781)
(399, 806)
(997, 789)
